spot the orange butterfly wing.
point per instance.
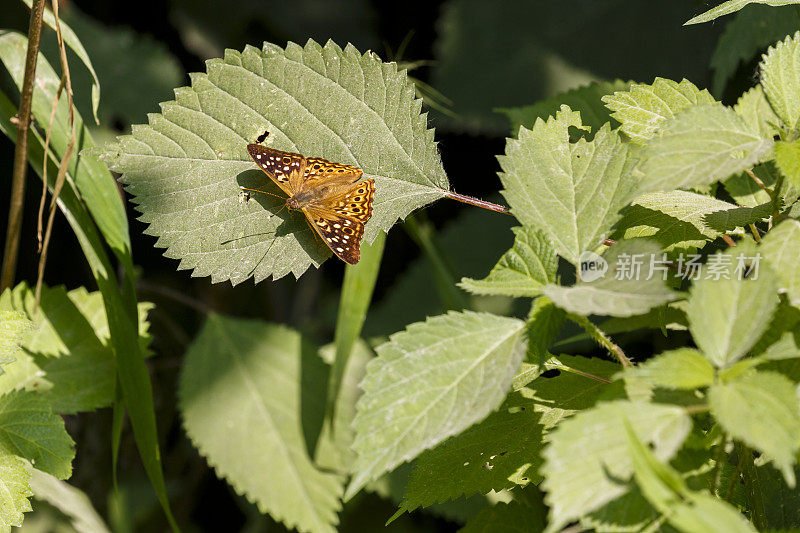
(343, 207)
(339, 219)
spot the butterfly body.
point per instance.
(335, 203)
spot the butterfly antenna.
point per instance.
(262, 192)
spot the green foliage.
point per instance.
(15, 487)
(550, 183)
(780, 77)
(522, 271)
(624, 290)
(721, 311)
(643, 109)
(456, 369)
(683, 368)
(761, 410)
(13, 326)
(586, 453)
(684, 219)
(511, 517)
(781, 249)
(699, 146)
(68, 358)
(199, 142)
(246, 394)
(787, 159)
(72, 502)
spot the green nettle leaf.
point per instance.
(787, 159)
(13, 326)
(781, 250)
(186, 167)
(761, 410)
(683, 368)
(571, 191)
(429, 382)
(503, 450)
(29, 428)
(545, 320)
(644, 108)
(587, 455)
(756, 111)
(241, 391)
(522, 270)
(780, 76)
(586, 100)
(69, 500)
(699, 146)
(732, 6)
(683, 219)
(510, 517)
(15, 489)
(67, 359)
(727, 316)
(751, 31)
(631, 285)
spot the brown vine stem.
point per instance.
(65, 159)
(477, 202)
(15, 208)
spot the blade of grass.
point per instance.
(359, 283)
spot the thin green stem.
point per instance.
(601, 338)
(15, 208)
(719, 457)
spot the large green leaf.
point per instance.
(732, 6)
(571, 191)
(69, 500)
(632, 285)
(780, 76)
(643, 109)
(29, 428)
(587, 455)
(185, 168)
(522, 270)
(751, 31)
(15, 490)
(503, 450)
(430, 382)
(683, 219)
(13, 326)
(699, 146)
(68, 358)
(781, 250)
(586, 100)
(761, 409)
(245, 390)
(722, 311)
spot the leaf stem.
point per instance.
(719, 457)
(477, 202)
(20, 168)
(758, 181)
(554, 364)
(601, 338)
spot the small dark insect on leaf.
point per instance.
(261, 138)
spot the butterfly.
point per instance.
(335, 203)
